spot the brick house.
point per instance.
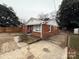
(42, 29)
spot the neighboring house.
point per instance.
(76, 31)
(42, 29)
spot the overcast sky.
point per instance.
(31, 8)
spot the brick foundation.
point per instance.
(38, 34)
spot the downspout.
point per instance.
(41, 31)
(50, 28)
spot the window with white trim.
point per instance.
(37, 28)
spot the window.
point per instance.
(37, 28)
(49, 28)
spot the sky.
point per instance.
(31, 8)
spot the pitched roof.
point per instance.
(52, 22)
(33, 21)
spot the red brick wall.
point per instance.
(36, 34)
(46, 33)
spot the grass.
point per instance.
(74, 41)
(28, 39)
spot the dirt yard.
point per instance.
(60, 39)
(40, 50)
(7, 43)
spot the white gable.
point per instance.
(33, 21)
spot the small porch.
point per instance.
(34, 30)
(29, 29)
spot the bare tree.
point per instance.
(43, 16)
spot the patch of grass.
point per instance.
(25, 38)
(28, 39)
(77, 57)
(74, 41)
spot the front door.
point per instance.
(30, 28)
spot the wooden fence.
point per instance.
(10, 29)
